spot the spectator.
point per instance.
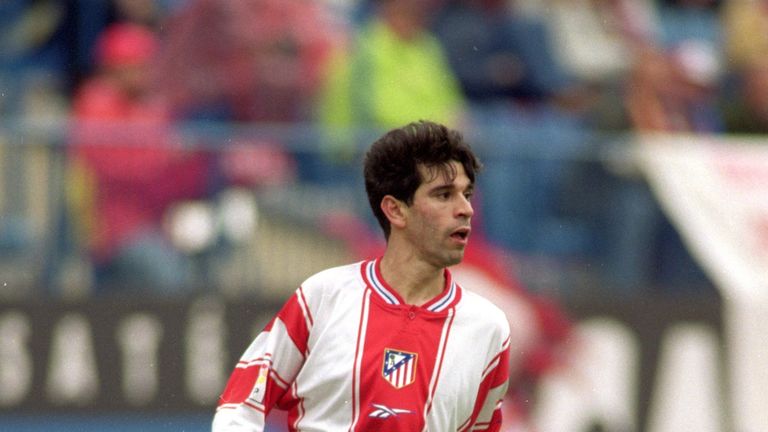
(673, 87)
(133, 169)
(91, 18)
(499, 54)
(655, 97)
(392, 70)
(595, 41)
(255, 60)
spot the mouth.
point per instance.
(461, 235)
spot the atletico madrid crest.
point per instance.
(399, 367)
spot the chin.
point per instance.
(454, 259)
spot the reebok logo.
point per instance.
(385, 412)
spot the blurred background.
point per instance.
(171, 170)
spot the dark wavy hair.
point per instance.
(391, 165)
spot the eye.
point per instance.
(442, 195)
(468, 195)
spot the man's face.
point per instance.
(438, 220)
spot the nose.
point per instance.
(464, 208)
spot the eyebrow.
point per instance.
(451, 186)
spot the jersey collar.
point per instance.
(371, 271)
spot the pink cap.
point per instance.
(125, 44)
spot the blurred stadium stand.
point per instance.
(561, 214)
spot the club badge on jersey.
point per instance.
(399, 367)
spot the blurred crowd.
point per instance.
(658, 65)
(516, 74)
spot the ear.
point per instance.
(394, 210)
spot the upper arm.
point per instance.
(268, 367)
(486, 415)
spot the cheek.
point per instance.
(430, 224)
(422, 225)
(427, 221)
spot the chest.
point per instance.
(400, 367)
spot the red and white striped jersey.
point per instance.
(345, 353)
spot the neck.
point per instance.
(416, 281)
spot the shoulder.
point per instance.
(482, 311)
(333, 279)
(335, 273)
(331, 290)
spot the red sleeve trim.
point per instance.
(295, 316)
(497, 373)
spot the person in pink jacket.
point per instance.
(132, 167)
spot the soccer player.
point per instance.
(392, 343)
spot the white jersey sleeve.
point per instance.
(266, 371)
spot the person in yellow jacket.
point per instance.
(393, 71)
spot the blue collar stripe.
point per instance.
(377, 285)
(437, 307)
